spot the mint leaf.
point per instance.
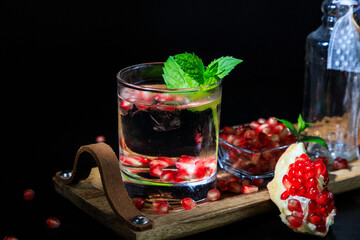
(192, 65)
(175, 77)
(187, 70)
(302, 125)
(225, 65)
(318, 140)
(290, 126)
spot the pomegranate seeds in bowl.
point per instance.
(253, 149)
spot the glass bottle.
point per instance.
(331, 97)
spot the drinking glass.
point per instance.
(168, 138)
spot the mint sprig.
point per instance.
(186, 70)
(302, 125)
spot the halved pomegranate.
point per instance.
(299, 189)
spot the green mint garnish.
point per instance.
(302, 125)
(186, 70)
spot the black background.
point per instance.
(60, 59)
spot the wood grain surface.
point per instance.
(88, 195)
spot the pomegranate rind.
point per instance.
(276, 188)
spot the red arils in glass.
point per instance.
(138, 202)
(340, 163)
(52, 222)
(29, 194)
(188, 203)
(213, 194)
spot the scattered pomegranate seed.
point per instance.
(164, 208)
(257, 182)
(10, 238)
(100, 139)
(246, 182)
(138, 202)
(234, 187)
(188, 203)
(234, 179)
(29, 194)
(340, 163)
(249, 189)
(52, 222)
(222, 185)
(213, 194)
(156, 204)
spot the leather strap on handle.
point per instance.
(112, 182)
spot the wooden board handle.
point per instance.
(114, 188)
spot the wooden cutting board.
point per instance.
(89, 196)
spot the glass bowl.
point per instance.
(249, 163)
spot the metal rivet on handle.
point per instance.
(66, 174)
(140, 219)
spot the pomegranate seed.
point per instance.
(316, 218)
(294, 205)
(138, 202)
(125, 105)
(156, 204)
(29, 194)
(311, 182)
(246, 182)
(100, 139)
(309, 174)
(163, 97)
(312, 206)
(324, 159)
(222, 185)
(249, 189)
(322, 198)
(261, 120)
(287, 182)
(10, 238)
(294, 222)
(250, 134)
(267, 131)
(188, 203)
(182, 175)
(285, 195)
(213, 194)
(275, 138)
(164, 208)
(156, 171)
(257, 182)
(312, 193)
(234, 179)
(254, 125)
(272, 121)
(52, 222)
(234, 187)
(340, 163)
(167, 176)
(228, 130)
(320, 168)
(293, 191)
(158, 163)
